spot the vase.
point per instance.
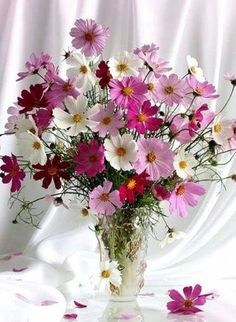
(123, 238)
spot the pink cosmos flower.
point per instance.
(13, 172)
(90, 159)
(60, 89)
(34, 64)
(155, 157)
(202, 89)
(150, 80)
(170, 89)
(188, 303)
(160, 192)
(128, 91)
(231, 77)
(13, 119)
(52, 72)
(145, 50)
(179, 127)
(107, 120)
(104, 202)
(90, 36)
(184, 195)
(142, 118)
(200, 118)
(157, 64)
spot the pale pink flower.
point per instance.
(13, 119)
(104, 202)
(231, 77)
(151, 82)
(155, 157)
(157, 64)
(128, 91)
(170, 89)
(203, 89)
(179, 127)
(106, 120)
(143, 51)
(90, 36)
(184, 195)
(34, 64)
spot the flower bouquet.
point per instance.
(119, 137)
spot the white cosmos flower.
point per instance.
(222, 130)
(109, 273)
(171, 236)
(76, 118)
(124, 64)
(184, 164)
(85, 216)
(120, 151)
(32, 148)
(24, 125)
(194, 69)
(81, 70)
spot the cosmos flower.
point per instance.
(34, 98)
(109, 274)
(203, 89)
(222, 130)
(184, 163)
(194, 69)
(103, 72)
(171, 236)
(13, 172)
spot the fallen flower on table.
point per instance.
(79, 305)
(71, 316)
(188, 303)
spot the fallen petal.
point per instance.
(71, 316)
(128, 316)
(48, 302)
(17, 270)
(79, 305)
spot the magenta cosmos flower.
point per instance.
(202, 89)
(128, 91)
(104, 202)
(90, 159)
(142, 118)
(188, 303)
(155, 157)
(107, 120)
(170, 89)
(90, 36)
(13, 172)
(184, 195)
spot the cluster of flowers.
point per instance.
(126, 132)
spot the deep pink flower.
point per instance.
(142, 118)
(90, 159)
(34, 98)
(179, 127)
(107, 120)
(60, 89)
(170, 89)
(13, 172)
(188, 303)
(90, 36)
(34, 64)
(160, 192)
(202, 89)
(104, 74)
(128, 91)
(133, 187)
(155, 157)
(184, 195)
(104, 202)
(200, 118)
(43, 118)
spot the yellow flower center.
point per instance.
(121, 152)
(89, 36)
(122, 67)
(151, 157)
(127, 91)
(36, 145)
(199, 90)
(104, 197)
(193, 70)
(66, 87)
(83, 69)
(217, 128)
(85, 212)
(77, 118)
(183, 164)
(106, 274)
(106, 120)
(131, 184)
(169, 90)
(150, 86)
(142, 117)
(180, 191)
(188, 303)
(52, 171)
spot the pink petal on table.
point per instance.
(23, 298)
(127, 316)
(72, 316)
(18, 270)
(6, 258)
(79, 305)
(147, 294)
(48, 302)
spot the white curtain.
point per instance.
(206, 30)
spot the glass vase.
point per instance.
(123, 238)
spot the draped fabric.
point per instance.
(204, 29)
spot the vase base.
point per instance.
(123, 298)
